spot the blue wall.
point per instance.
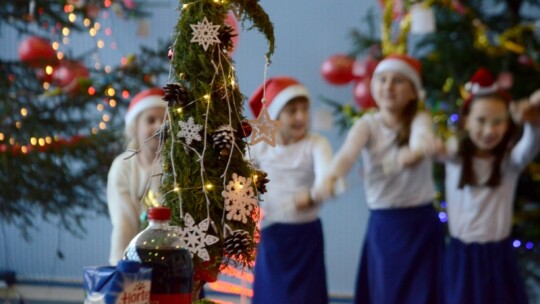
(307, 32)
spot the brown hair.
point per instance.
(467, 148)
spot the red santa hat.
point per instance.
(277, 91)
(483, 83)
(406, 65)
(146, 99)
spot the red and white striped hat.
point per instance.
(406, 65)
(277, 91)
(146, 99)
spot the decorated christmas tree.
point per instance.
(453, 39)
(207, 180)
(62, 115)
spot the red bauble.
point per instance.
(362, 94)
(231, 21)
(364, 69)
(337, 69)
(69, 74)
(246, 129)
(37, 52)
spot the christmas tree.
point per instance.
(453, 39)
(207, 181)
(62, 116)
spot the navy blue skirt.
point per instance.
(482, 273)
(289, 268)
(402, 257)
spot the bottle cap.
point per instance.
(128, 266)
(159, 213)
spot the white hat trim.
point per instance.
(397, 65)
(476, 89)
(284, 96)
(147, 102)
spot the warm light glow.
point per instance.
(231, 288)
(110, 91)
(87, 22)
(106, 117)
(91, 91)
(24, 112)
(41, 142)
(209, 186)
(185, 6)
(107, 3)
(176, 189)
(55, 45)
(94, 131)
(18, 124)
(12, 141)
(207, 97)
(33, 141)
(100, 44)
(1, 136)
(92, 32)
(65, 31)
(49, 70)
(48, 139)
(100, 107)
(72, 17)
(125, 94)
(60, 55)
(24, 149)
(179, 110)
(46, 85)
(108, 69)
(112, 103)
(97, 26)
(102, 125)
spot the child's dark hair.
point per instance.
(467, 148)
(407, 118)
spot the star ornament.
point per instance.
(205, 33)
(264, 129)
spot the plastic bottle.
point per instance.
(162, 249)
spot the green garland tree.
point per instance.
(61, 117)
(207, 180)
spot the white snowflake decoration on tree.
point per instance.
(189, 130)
(240, 198)
(196, 237)
(205, 33)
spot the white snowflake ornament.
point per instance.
(205, 33)
(196, 237)
(189, 130)
(240, 198)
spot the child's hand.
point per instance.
(525, 111)
(303, 200)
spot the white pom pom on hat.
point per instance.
(277, 91)
(406, 65)
(144, 100)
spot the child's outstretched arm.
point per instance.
(526, 112)
(422, 143)
(332, 182)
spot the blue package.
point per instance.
(128, 283)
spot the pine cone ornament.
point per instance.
(261, 180)
(223, 139)
(225, 35)
(175, 94)
(238, 244)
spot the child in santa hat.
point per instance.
(482, 169)
(289, 267)
(130, 175)
(401, 261)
